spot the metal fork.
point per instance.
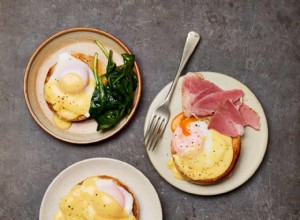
(161, 114)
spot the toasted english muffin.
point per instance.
(199, 176)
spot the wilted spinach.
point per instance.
(113, 100)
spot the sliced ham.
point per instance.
(227, 120)
(250, 117)
(202, 98)
(194, 88)
(210, 103)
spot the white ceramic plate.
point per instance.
(254, 143)
(148, 201)
(79, 40)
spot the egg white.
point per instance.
(103, 183)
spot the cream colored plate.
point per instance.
(254, 143)
(148, 200)
(77, 40)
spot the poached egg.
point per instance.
(198, 153)
(96, 198)
(69, 90)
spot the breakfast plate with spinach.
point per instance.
(82, 85)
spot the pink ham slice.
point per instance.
(210, 103)
(194, 88)
(227, 120)
(250, 117)
(202, 98)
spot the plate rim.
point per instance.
(35, 54)
(99, 159)
(245, 179)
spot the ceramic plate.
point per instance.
(77, 40)
(148, 201)
(254, 143)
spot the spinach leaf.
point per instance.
(112, 101)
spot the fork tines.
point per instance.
(154, 131)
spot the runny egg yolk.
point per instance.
(86, 201)
(201, 153)
(183, 122)
(69, 90)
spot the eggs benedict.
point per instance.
(102, 197)
(68, 88)
(199, 154)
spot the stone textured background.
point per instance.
(257, 42)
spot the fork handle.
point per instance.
(189, 47)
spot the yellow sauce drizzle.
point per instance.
(202, 163)
(69, 98)
(64, 125)
(174, 170)
(207, 163)
(86, 202)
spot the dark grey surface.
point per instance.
(257, 42)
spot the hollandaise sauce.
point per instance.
(203, 153)
(174, 170)
(87, 202)
(69, 90)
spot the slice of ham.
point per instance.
(250, 117)
(210, 103)
(194, 88)
(202, 98)
(227, 120)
